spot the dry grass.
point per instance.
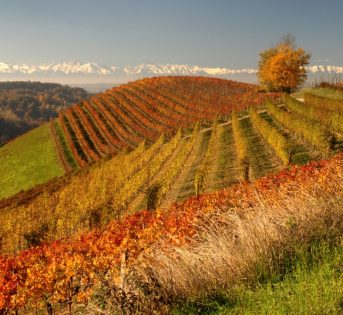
(234, 243)
(234, 246)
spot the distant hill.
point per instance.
(120, 119)
(95, 87)
(25, 105)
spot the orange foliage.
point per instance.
(67, 270)
(282, 68)
(123, 116)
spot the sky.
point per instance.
(213, 33)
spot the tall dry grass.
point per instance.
(234, 245)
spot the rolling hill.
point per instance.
(156, 167)
(123, 117)
(145, 145)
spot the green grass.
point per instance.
(313, 284)
(27, 161)
(66, 148)
(325, 92)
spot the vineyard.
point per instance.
(144, 146)
(125, 116)
(122, 118)
(244, 146)
(65, 273)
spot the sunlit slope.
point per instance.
(210, 156)
(124, 117)
(29, 160)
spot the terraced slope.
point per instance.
(123, 117)
(92, 266)
(205, 159)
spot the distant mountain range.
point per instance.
(92, 72)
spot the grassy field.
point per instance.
(27, 161)
(313, 285)
(325, 92)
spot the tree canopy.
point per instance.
(282, 68)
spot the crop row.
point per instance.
(92, 130)
(141, 179)
(309, 131)
(331, 119)
(92, 197)
(199, 110)
(103, 129)
(66, 272)
(242, 147)
(72, 140)
(275, 139)
(173, 169)
(62, 156)
(143, 110)
(203, 171)
(210, 97)
(171, 118)
(323, 103)
(191, 110)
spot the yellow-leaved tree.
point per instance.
(282, 68)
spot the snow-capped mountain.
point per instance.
(94, 68)
(75, 67)
(95, 72)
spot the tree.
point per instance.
(282, 68)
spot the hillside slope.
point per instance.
(207, 158)
(124, 117)
(84, 237)
(260, 219)
(29, 160)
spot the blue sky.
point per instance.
(227, 33)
